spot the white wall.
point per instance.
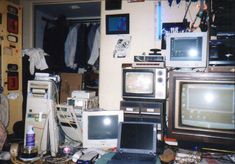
(142, 30)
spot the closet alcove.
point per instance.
(53, 20)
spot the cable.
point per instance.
(4, 110)
(184, 19)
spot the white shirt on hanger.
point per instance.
(95, 48)
(70, 47)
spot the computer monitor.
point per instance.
(137, 137)
(100, 128)
(201, 108)
(187, 50)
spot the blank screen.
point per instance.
(137, 136)
(103, 127)
(139, 82)
(208, 105)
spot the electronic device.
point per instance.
(142, 107)
(154, 56)
(83, 103)
(187, 50)
(70, 121)
(159, 64)
(144, 83)
(145, 111)
(46, 76)
(77, 155)
(149, 58)
(82, 94)
(136, 140)
(201, 108)
(117, 24)
(130, 135)
(222, 51)
(100, 128)
(40, 113)
(88, 158)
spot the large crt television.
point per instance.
(187, 50)
(144, 83)
(100, 128)
(202, 108)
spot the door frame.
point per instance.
(29, 14)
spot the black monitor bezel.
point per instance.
(126, 31)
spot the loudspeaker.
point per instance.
(113, 4)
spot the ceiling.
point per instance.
(71, 10)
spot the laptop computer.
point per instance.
(137, 143)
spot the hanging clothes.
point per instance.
(95, 48)
(79, 46)
(70, 47)
(53, 44)
(91, 37)
(82, 46)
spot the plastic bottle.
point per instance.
(30, 137)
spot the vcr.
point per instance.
(145, 111)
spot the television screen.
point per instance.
(208, 105)
(144, 83)
(139, 82)
(103, 127)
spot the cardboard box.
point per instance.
(69, 83)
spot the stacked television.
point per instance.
(201, 102)
(144, 95)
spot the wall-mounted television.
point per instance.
(144, 83)
(187, 50)
(100, 128)
(202, 108)
(117, 24)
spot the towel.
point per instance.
(36, 59)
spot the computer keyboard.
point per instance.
(134, 156)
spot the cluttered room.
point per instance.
(117, 81)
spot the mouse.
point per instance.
(77, 155)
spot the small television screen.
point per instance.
(117, 24)
(144, 83)
(187, 50)
(100, 128)
(137, 82)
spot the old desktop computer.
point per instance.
(40, 114)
